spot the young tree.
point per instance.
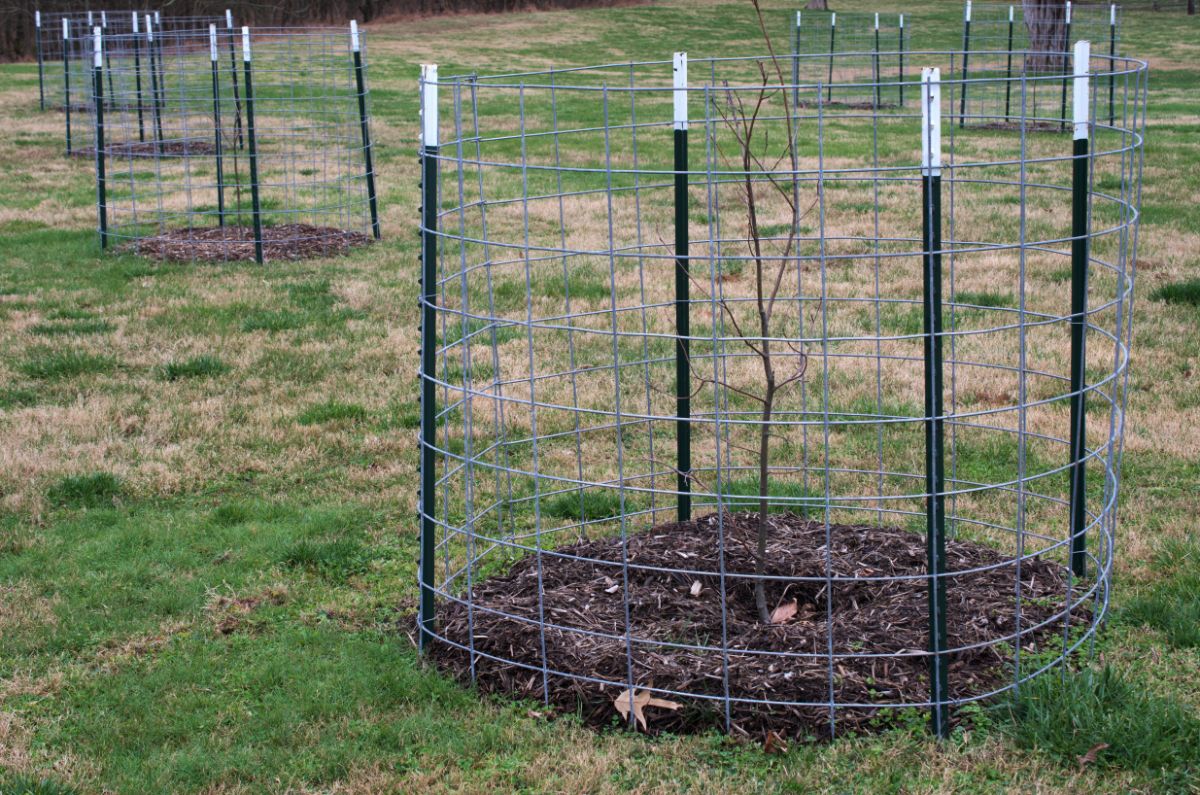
(749, 114)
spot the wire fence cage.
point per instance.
(859, 48)
(767, 415)
(221, 145)
(994, 32)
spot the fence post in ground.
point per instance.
(368, 161)
(966, 56)
(252, 143)
(98, 101)
(137, 78)
(1062, 114)
(1079, 290)
(429, 217)
(901, 51)
(935, 500)
(37, 27)
(214, 58)
(683, 381)
(832, 46)
(66, 62)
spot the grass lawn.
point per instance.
(207, 498)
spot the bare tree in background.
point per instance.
(1046, 23)
(817, 5)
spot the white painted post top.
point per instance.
(797, 19)
(212, 42)
(1112, 15)
(967, 13)
(1068, 12)
(135, 22)
(354, 43)
(89, 16)
(149, 28)
(931, 121)
(104, 19)
(229, 19)
(97, 57)
(901, 20)
(246, 43)
(429, 105)
(1011, 14)
(1083, 56)
(679, 69)
(876, 20)
(37, 18)
(833, 20)
(66, 29)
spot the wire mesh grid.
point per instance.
(219, 145)
(992, 32)
(52, 40)
(926, 498)
(869, 48)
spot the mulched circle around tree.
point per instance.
(228, 243)
(177, 148)
(871, 616)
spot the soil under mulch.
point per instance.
(226, 243)
(153, 149)
(872, 617)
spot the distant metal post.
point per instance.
(429, 217)
(237, 101)
(1112, 52)
(216, 104)
(98, 101)
(683, 327)
(962, 102)
(66, 45)
(361, 82)
(137, 79)
(832, 45)
(112, 94)
(1008, 69)
(1079, 290)
(901, 60)
(1062, 114)
(935, 501)
(875, 59)
(796, 64)
(255, 206)
(37, 24)
(154, 99)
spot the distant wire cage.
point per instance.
(224, 144)
(993, 32)
(950, 311)
(866, 49)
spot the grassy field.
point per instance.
(207, 534)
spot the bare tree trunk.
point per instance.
(1191, 8)
(1046, 23)
(823, 5)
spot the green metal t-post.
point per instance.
(155, 105)
(875, 60)
(37, 27)
(429, 217)
(214, 61)
(98, 101)
(1079, 289)
(1112, 66)
(683, 329)
(67, 79)
(966, 56)
(901, 51)
(1008, 68)
(935, 464)
(368, 162)
(796, 63)
(137, 79)
(252, 142)
(832, 48)
(1062, 114)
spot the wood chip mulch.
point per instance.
(177, 148)
(885, 617)
(227, 243)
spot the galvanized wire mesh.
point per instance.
(859, 48)
(181, 144)
(992, 31)
(552, 412)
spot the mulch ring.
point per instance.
(226, 243)
(176, 148)
(871, 617)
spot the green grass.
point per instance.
(1185, 292)
(196, 367)
(332, 411)
(85, 491)
(1067, 716)
(72, 328)
(48, 364)
(1171, 604)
